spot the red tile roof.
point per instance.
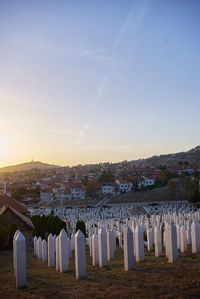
(8, 201)
(20, 215)
(122, 182)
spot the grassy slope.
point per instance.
(155, 195)
(153, 278)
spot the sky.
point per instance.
(98, 80)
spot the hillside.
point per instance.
(191, 156)
(27, 166)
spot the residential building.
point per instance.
(110, 188)
(124, 186)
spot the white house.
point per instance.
(146, 181)
(109, 188)
(78, 192)
(124, 186)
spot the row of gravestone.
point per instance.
(113, 217)
(120, 212)
(57, 250)
(144, 220)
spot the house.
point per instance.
(64, 194)
(6, 200)
(124, 186)
(65, 190)
(179, 169)
(78, 190)
(110, 189)
(13, 217)
(146, 181)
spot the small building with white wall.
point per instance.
(124, 186)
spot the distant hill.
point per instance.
(28, 166)
(194, 150)
(191, 156)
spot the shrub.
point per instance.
(47, 224)
(81, 225)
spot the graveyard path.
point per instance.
(102, 202)
(153, 278)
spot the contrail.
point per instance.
(138, 19)
(115, 45)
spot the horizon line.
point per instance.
(93, 163)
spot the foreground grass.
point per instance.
(153, 278)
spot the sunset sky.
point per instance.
(95, 81)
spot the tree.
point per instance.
(92, 187)
(107, 176)
(47, 224)
(85, 180)
(193, 188)
(172, 187)
(81, 225)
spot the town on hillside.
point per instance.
(173, 176)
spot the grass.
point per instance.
(73, 202)
(155, 195)
(153, 278)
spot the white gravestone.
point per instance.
(69, 250)
(183, 239)
(14, 260)
(139, 243)
(178, 236)
(72, 241)
(149, 239)
(20, 256)
(195, 234)
(110, 249)
(39, 248)
(171, 243)
(64, 251)
(128, 249)
(95, 250)
(44, 251)
(157, 241)
(102, 241)
(80, 256)
(57, 255)
(51, 250)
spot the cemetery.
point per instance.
(121, 252)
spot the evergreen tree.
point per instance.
(81, 225)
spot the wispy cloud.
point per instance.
(61, 131)
(82, 132)
(138, 13)
(99, 55)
